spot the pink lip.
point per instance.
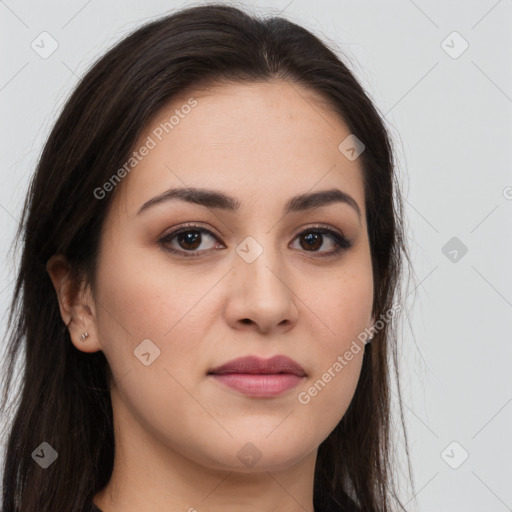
(260, 377)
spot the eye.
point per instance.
(313, 238)
(190, 237)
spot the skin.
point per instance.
(178, 432)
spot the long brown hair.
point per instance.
(64, 398)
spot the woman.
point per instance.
(212, 244)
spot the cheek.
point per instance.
(342, 312)
(146, 314)
(146, 293)
(138, 299)
(342, 305)
(324, 399)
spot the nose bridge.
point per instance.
(261, 292)
(258, 264)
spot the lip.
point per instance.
(259, 377)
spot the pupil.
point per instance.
(312, 238)
(189, 238)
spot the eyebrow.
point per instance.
(218, 200)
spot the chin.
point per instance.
(259, 456)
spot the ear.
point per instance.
(76, 304)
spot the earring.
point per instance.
(84, 335)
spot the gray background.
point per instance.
(450, 119)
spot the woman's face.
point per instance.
(253, 276)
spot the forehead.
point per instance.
(254, 141)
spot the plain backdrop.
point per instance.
(440, 73)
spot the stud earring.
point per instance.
(84, 335)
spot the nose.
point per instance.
(261, 296)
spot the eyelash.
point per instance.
(342, 243)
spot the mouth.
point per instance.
(259, 377)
